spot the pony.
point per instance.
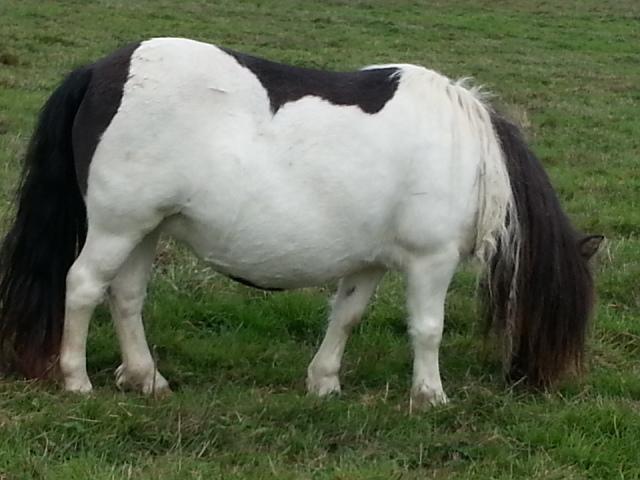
(283, 177)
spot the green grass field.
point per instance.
(237, 357)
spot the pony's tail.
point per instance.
(44, 239)
(538, 286)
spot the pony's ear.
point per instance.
(589, 245)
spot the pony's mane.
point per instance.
(497, 227)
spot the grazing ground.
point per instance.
(237, 357)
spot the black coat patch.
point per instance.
(368, 89)
(100, 104)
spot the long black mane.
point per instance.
(545, 322)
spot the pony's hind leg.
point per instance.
(428, 279)
(87, 279)
(126, 298)
(349, 304)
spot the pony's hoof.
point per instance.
(323, 386)
(150, 382)
(424, 397)
(78, 385)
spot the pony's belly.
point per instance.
(278, 258)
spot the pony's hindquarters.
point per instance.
(47, 295)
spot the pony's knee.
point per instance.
(426, 333)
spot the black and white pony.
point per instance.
(284, 177)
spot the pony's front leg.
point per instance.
(126, 298)
(427, 282)
(348, 306)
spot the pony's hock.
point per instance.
(284, 177)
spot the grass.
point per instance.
(237, 358)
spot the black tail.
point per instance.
(49, 229)
(540, 304)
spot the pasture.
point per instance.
(236, 358)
